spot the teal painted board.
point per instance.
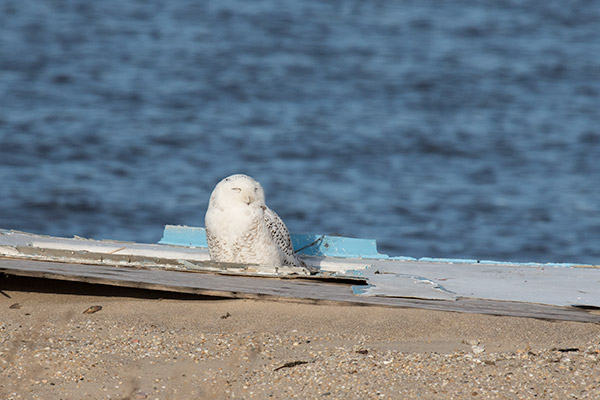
(307, 244)
(180, 235)
(335, 246)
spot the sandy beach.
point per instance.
(155, 345)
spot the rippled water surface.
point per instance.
(449, 129)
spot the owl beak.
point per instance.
(249, 199)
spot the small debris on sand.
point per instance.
(93, 309)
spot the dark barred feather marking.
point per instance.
(281, 236)
(279, 231)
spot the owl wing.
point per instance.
(281, 236)
(279, 232)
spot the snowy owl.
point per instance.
(240, 228)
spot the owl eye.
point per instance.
(236, 189)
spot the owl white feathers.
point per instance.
(240, 228)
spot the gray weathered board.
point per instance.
(272, 289)
(541, 291)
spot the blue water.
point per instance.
(461, 129)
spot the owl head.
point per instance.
(238, 191)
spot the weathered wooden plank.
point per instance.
(544, 284)
(28, 246)
(550, 284)
(273, 289)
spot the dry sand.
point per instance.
(156, 345)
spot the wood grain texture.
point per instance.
(297, 290)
